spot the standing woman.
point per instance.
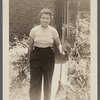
(41, 57)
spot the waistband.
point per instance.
(43, 48)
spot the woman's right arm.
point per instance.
(30, 48)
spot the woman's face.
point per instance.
(45, 20)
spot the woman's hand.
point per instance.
(58, 44)
(62, 52)
(61, 49)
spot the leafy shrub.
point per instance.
(78, 45)
(18, 73)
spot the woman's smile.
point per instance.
(45, 20)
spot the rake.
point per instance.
(60, 76)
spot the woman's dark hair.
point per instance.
(46, 11)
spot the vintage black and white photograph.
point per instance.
(49, 50)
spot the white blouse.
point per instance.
(44, 37)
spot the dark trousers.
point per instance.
(41, 64)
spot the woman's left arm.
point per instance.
(58, 44)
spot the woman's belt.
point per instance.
(43, 48)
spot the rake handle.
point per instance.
(63, 32)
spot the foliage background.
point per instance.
(24, 15)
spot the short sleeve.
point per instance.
(32, 33)
(56, 35)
